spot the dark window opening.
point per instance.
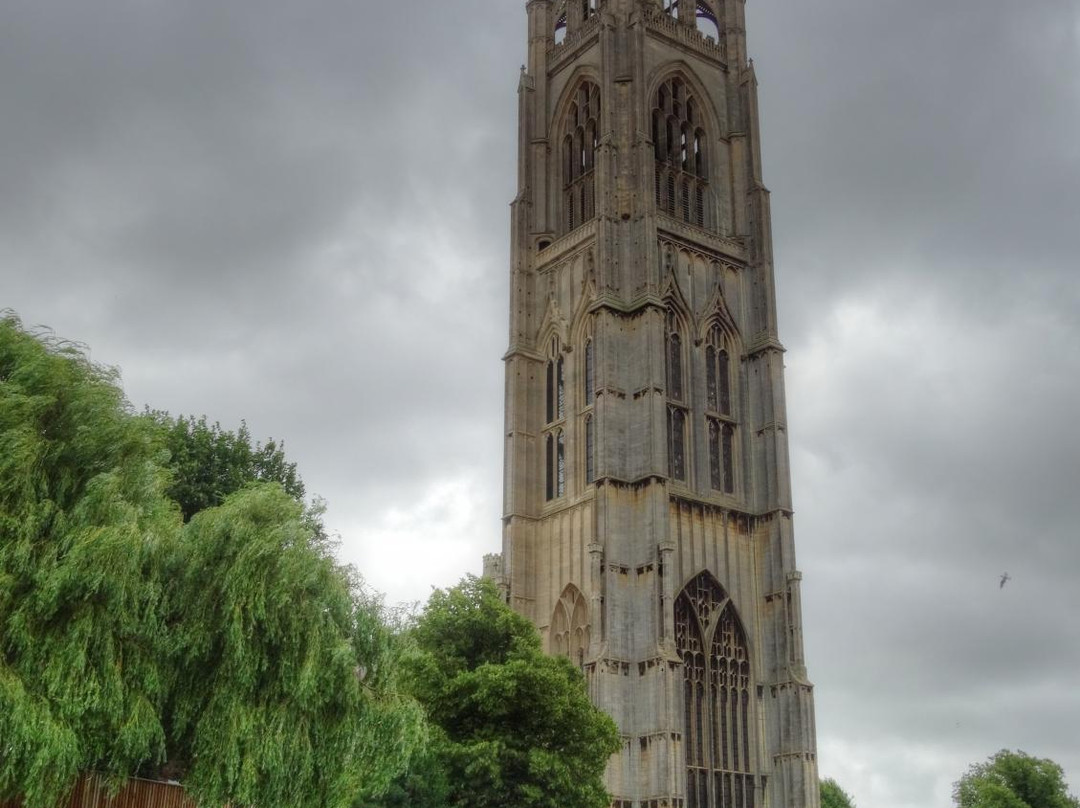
(590, 389)
(676, 443)
(728, 449)
(590, 470)
(560, 465)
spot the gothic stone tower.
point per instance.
(648, 524)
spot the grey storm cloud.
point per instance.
(296, 214)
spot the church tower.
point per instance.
(647, 525)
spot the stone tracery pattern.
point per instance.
(570, 626)
(716, 690)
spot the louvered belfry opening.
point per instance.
(681, 171)
(580, 143)
(716, 689)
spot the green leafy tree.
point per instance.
(1013, 780)
(832, 796)
(208, 463)
(511, 726)
(82, 525)
(283, 690)
(232, 647)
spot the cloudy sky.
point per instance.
(295, 213)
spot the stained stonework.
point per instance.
(647, 516)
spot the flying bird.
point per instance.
(1005, 578)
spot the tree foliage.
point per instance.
(511, 726)
(832, 796)
(1013, 780)
(233, 647)
(281, 665)
(207, 463)
(82, 526)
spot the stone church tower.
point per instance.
(648, 523)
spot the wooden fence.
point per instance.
(90, 792)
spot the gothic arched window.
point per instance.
(580, 143)
(681, 181)
(718, 411)
(717, 720)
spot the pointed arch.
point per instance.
(719, 315)
(717, 682)
(682, 116)
(570, 630)
(576, 125)
(553, 325)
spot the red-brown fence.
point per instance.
(90, 792)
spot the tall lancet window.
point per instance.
(580, 143)
(718, 411)
(676, 399)
(717, 719)
(679, 146)
(554, 415)
(588, 400)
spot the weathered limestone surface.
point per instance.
(647, 515)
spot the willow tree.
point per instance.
(283, 689)
(232, 648)
(82, 524)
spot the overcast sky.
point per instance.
(296, 214)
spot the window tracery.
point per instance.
(717, 716)
(580, 144)
(681, 179)
(570, 631)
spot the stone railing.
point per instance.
(567, 243)
(668, 26)
(561, 51)
(725, 245)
